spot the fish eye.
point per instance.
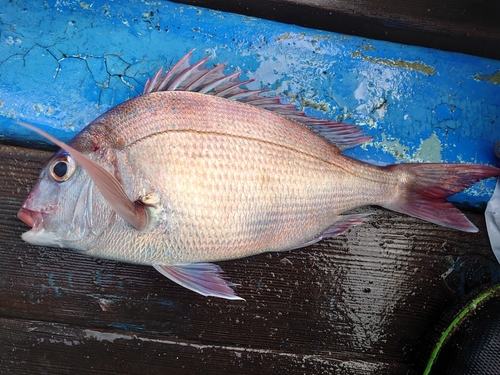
(62, 168)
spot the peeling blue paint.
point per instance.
(64, 63)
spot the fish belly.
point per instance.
(228, 197)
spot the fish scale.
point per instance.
(149, 115)
(252, 216)
(178, 179)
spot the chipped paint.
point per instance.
(85, 5)
(313, 38)
(393, 147)
(410, 65)
(376, 87)
(429, 150)
(322, 106)
(492, 78)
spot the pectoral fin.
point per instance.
(202, 278)
(112, 191)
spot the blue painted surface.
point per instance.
(64, 63)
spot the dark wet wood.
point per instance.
(471, 27)
(360, 303)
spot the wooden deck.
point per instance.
(360, 303)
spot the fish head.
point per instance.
(58, 208)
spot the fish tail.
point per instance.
(422, 189)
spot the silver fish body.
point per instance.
(217, 179)
(226, 189)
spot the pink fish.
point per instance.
(198, 170)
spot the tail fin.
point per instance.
(423, 188)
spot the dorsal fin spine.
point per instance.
(197, 78)
(188, 73)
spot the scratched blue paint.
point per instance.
(166, 303)
(447, 113)
(126, 327)
(57, 290)
(64, 63)
(98, 277)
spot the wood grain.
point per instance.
(471, 27)
(360, 303)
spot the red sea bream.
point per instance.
(198, 170)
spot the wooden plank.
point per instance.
(470, 27)
(58, 348)
(357, 304)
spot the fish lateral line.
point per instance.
(251, 139)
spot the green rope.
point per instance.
(471, 306)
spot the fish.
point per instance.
(199, 169)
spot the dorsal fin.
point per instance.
(197, 78)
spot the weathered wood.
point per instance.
(356, 304)
(471, 27)
(57, 348)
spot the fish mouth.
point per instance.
(37, 235)
(33, 219)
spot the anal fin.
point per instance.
(344, 223)
(202, 278)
